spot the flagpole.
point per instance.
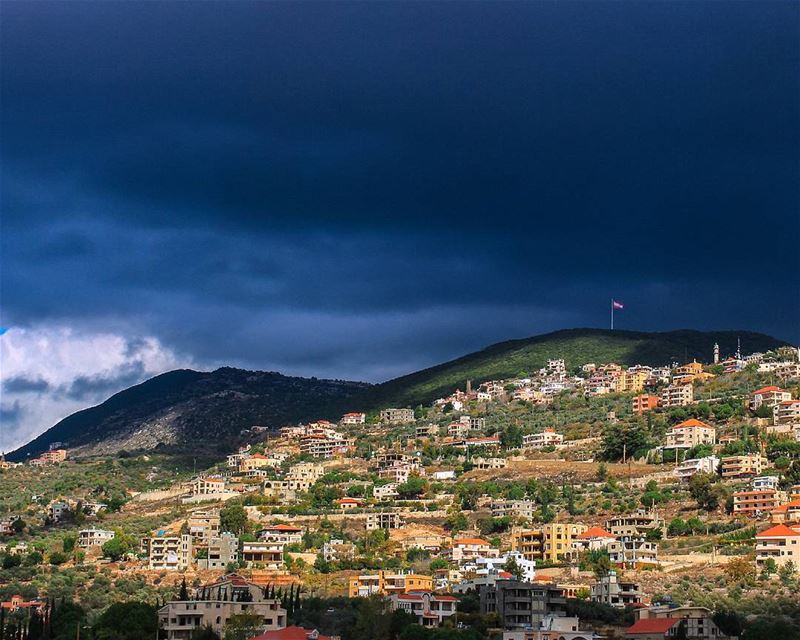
(612, 314)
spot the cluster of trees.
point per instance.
(64, 620)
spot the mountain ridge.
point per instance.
(183, 409)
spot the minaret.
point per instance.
(738, 349)
(469, 387)
(716, 353)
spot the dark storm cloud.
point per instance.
(21, 384)
(90, 388)
(362, 189)
(11, 414)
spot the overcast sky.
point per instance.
(360, 190)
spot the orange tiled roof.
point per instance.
(778, 531)
(596, 532)
(462, 541)
(692, 422)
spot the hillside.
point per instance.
(192, 411)
(187, 411)
(576, 347)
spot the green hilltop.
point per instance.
(576, 347)
(186, 411)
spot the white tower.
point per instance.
(716, 353)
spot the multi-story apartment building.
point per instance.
(635, 524)
(546, 438)
(514, 509)
(55, 456)
(203, 525)
(677, 395)
(643, 403)
(690, 433)
(92, 537)
(612, 591)
(633, 552)
(768, 397)
(781, 543)
(757, 501)
(427, 431)
(385, 491)
(57, 509)
(222, 551)
(325, 446)
(742, 466)
(385, 583)
(528, 542)
(397, 416)
(521, 605)
(631, 381)
(384, 520)
(213, 605)
(550, 542)
(470, 548)
(168, 552)
(263, 553)
(787, 412)
(688, 468)
(303, 475)
(430, 609)
(765, 482)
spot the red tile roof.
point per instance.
(779, 530)
(767, 390)
(652, 625)
(787, 506)
(692, 422)
(463, 541)
(596, 532)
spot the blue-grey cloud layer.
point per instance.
(362, 189)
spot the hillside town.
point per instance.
(578, 501)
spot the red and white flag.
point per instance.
(617, 305)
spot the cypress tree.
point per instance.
(183, 594)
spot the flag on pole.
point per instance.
(617, 305)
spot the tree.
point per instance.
(183, 594)
(596, 560)
(68, 543)
(786, 572)
(115, 548)
(233, 519)
(57, 558)
(511, 437)
(18, 526)
(619, 438)
(740, 570)
(704, 489)
(412, 488)
(512, 566)
(204, 633)
(242, 626)
(127, 621)
(372, 621)
(770, 568)
(65, 619)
